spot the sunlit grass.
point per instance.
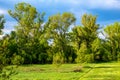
(102, 71)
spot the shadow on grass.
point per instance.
(107, 67)
(102, 67)
(87, 67)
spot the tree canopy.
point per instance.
(37, 41)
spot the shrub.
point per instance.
(58, 59)
(17, 60)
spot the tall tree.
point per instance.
(2, 21)
(84, 37)
(113, 38)
(30, 32)
(59, 28)
(2, 56)
(100, 50)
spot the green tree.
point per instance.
(4, 59)
(84, 36)
(30, 38)
(81, 54)
(58, 26)
(100, 50)
(2, 21)
(113, 39)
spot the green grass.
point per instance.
(102, 71)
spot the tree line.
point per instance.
(35, 41)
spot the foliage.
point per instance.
(58, 26)
(113, 39)
(39, 41)
(5, 73)
(83, 38)
(17, 60)
(58, 59)
(29, 37)
(2, 21)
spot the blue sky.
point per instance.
(108, 11)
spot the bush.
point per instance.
(118, 56)
(78, 69)
(89, 58)
(17, 60)
(58, 59)
(42, 58)
(7, 72)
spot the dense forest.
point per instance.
(36, 41)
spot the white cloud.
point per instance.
(108, 22)
(79, 13)
(1, 36)
(104, 4)
(9, 26)
(3, 11)
(74, 2)
(7, 31)
(101, 36)
(101, 4)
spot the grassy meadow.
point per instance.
(96, 71)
